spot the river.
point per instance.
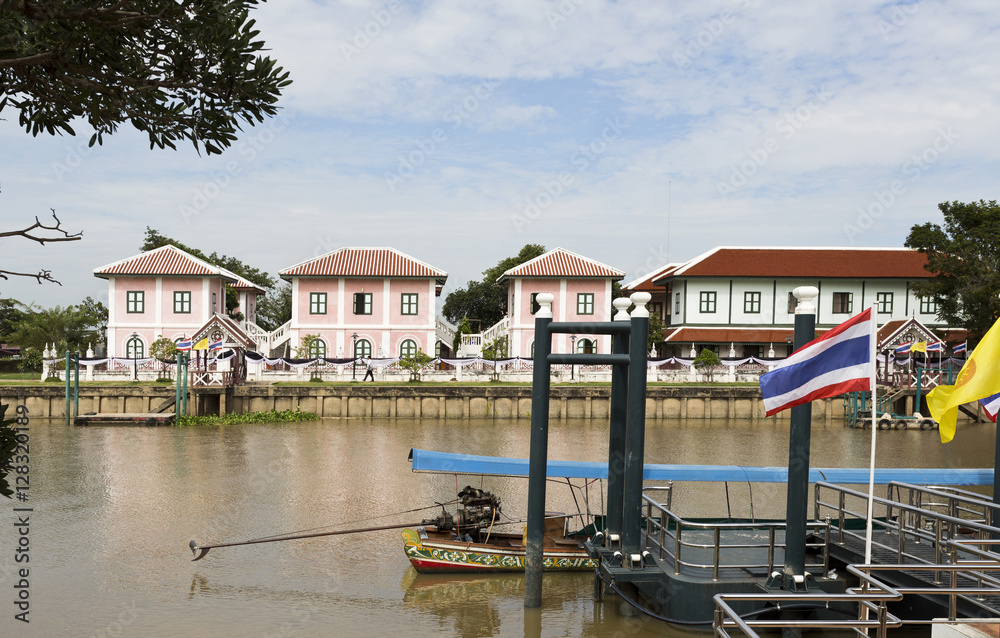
(113, 510)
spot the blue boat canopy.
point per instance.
(428, 461)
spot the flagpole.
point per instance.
(871, 466)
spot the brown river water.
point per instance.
(113, 510)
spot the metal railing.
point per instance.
(948, 520)
(952, 501)
(871, 597)
(668, 531)
(910, 523)
(497, 330)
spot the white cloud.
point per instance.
(430, 126)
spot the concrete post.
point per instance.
(797, 514)
(635, 435)
(619, 417)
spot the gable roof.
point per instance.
(560, 262)
(869, 263)
(231, 331)
(364, 262)
(891, 334)
(241, 283)
(163, 261)
(646, 281)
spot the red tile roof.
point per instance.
(645, 283)
(240, 283)
(806, 262)
(165, 260)
(560, 262)
(364, 262)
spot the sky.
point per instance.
(635, 133)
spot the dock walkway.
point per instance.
(931, 562)
(128, 418)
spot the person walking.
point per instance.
(369, 372)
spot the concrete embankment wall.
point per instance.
(453, 402)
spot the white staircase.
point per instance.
(445, 333)
(473, 344)
(496, 331)
(268, 342)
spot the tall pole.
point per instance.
(177, 385)
(67, 386)
(619, 417)
(539, 453)
(76, 384)
(635, 434)
(354, 354)
(184, 386)
(572, 350)
(797, 507)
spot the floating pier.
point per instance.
(134, 418)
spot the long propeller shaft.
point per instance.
(201, 551)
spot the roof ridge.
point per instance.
(434, 271)
(550, 253)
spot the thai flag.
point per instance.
(840, 361)
(991, 405)
(937, 346)
(904, 348)
(184, 344)
(215, 345)
(959, 348)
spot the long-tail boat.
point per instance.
(471, 541)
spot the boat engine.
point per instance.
(477, 509)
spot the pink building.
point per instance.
(165, 292)
(365, 302)
(582, 290)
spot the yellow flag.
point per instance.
(977, 380)
(203, 345)
(920, 346)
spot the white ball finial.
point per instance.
(640, 299)
(621, 304)
(806, 296)
(544, 299)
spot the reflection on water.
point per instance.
(115, 507)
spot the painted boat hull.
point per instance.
(429, 555)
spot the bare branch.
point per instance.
(26, 233)
(40, 276)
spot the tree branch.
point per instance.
(30, 60)
(26, 233)
(40, 276)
